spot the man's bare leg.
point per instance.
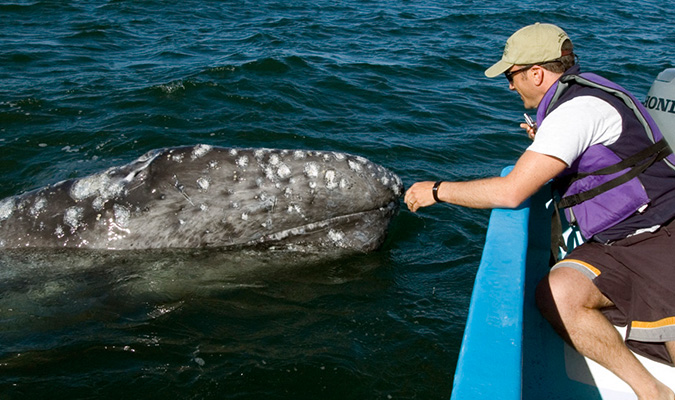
(571, 303)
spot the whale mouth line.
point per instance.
(327, 226)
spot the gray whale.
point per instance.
(212, 197)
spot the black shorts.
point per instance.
(638, 275)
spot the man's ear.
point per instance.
(538, 75)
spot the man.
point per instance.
(622, 273)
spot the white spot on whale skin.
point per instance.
(295, 209)
(119, 223)
(96, 185)
(355, 166)
(260, 153)
(72, 217)
(312, 170)
(178, 157)
(122, 215)
(397, 186)
(89, 186)
(242, 162)
(269, 173)
(284, 171)
(98, 203)
(336, 237)
(38, 206)
(6, 208)
(200, 150)
(339, 156)
(331, 182)
(299, 154)
(203, 183)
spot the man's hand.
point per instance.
(419, 195)
(530, 130)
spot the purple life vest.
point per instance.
(612, 191)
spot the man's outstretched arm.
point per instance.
(531, 172)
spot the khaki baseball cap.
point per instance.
(533, 44)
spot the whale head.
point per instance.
(212, 197)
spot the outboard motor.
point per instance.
(661, 104)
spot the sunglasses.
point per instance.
(510, 74)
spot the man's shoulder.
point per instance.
(590, 105)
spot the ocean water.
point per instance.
(85, 85)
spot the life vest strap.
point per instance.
(656, 152)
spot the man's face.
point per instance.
(520, 81)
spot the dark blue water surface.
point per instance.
(89, 84)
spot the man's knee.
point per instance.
(569, 289)
(555, 291)
(562, 293)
